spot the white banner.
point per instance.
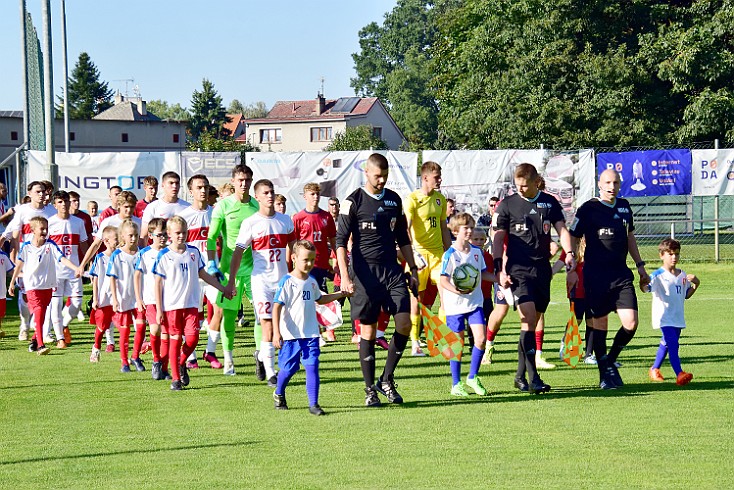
(92, 174)
(338, 173)
(713, 172)
(471, 177)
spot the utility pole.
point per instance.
(52, 171)
(66, 76)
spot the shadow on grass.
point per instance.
(134, 452)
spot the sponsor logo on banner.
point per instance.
(127, 182)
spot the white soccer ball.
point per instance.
(466, 277)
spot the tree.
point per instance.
(208, 115)
(88, 95)
(255, 110)
(235, 107)
(165, 111)
(356, 138)
(208, 142)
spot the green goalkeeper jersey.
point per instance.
(227, 216)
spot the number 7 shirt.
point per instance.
(269, 237)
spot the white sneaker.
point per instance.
(228, 369)
(590, 360)
(488, 353)
(94, 357)
(49, 340)
(541, 363)
(416, 351)
(23, 335)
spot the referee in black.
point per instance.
(525, 220)
(607, 225)
(373, 218)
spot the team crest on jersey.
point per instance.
(193, 257)
(323, 221)
(546, 227)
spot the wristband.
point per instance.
(640, 264)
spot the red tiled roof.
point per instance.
(235, 120)
(308, 110)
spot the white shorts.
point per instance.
(262, 301)
(69, 288)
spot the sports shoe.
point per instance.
(655, 375)
(110, 348)
(683, 378)
(139, 366)
(67, 335)
(475, 384)
(229, 369)
(330, 336)
(212, 360)
(50, 339)
(417, 352)
(192, 365)
(459, 390)
(184, 372)
(145, 348)
(43, 350)
(33, 346)
(280, 403)
(382, 343)
(23, 335)
(541, 363)
(371, 399)
(273, 381)
(614, 375)
(259, 366)
(607, 384)
(61, 344)
(389, 389)
(521, 384)
(94, 356)
(316, 410)
(590, 359)
(355, 339)
(80, 316)
(166, 375)
(156, 371)
(176, 386)
(488, 353)
(617, 364)
(125, 368)
(538, 386)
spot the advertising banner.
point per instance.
(650, 173)
(92, 174)
(713, 172)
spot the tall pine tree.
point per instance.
(88, 95)
(208, 114)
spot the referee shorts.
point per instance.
(602, 298)
(376, 288)
(531, 284)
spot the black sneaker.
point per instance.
(165, 375)
(176, 386)
(139, 366)
(184, 374)
(607, 384)
(33, 346)
(371, 399)
(613, 374)
(539, 386)
(280, 403)
(273, 381)
(389, 389)
(521, 384)
(156, 371)
(316, 410)
(259, 367)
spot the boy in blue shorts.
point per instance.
(462, 307)
(295, 328)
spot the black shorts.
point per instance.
(320, 275)
(581, 309)
(603, 299)
(531, 284)
(376, 288)
(487, 308)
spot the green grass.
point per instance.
(70, 424)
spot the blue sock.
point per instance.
(662, 353)
(671, 335)
(455, 371)
(476, 361)
(283, 378)
(313, 382)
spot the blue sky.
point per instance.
(251, 50)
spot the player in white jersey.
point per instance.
(197, 217)
(169, 204)
(271, 236)
(126, 201)
(178, 268)
(70, 235)
(121, 271)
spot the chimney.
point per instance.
(294, 108)
(321, 104)
(118, 98)
(142, 107)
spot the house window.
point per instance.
(124, 137)
(14, 135)
(72, 136)
(175, 138)
(271, 136)
(377, 132)
(321, 134)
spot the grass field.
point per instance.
(69, 424)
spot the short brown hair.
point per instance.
(461, 219)
(280, 198)
(303, 244)
(197, 177)
(312, 187)
(37, 221)
(263, 182)
(378, 161)
(526, 171)
(150, 180)
(669, 245)
(176, 220)
(430, 167)
(156, 223)
(126, 197)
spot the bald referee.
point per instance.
(372, 216)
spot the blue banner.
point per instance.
(650, 173)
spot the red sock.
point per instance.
(98, 333)
(124, 344)
(155, 346)
(174, 350)
(139, 339)
(68, 302)
(539, 339)
(192, 340)
(383, 321)
(357, 327)
(490, 335)
(164, 352)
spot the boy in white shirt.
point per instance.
(37, 261)
(102, 310)
(120, 270)
(177, 295)
(295, 328)
(463, 307)
(670, 288)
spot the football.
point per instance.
(466, 277)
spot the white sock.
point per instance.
(228, 360)
(380, 334)
(110, 336)
(73, 309)
(47, 326)
(212, 338)
(57, 306)
(267, 356)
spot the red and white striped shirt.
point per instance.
(67, 234)
(197, 222)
